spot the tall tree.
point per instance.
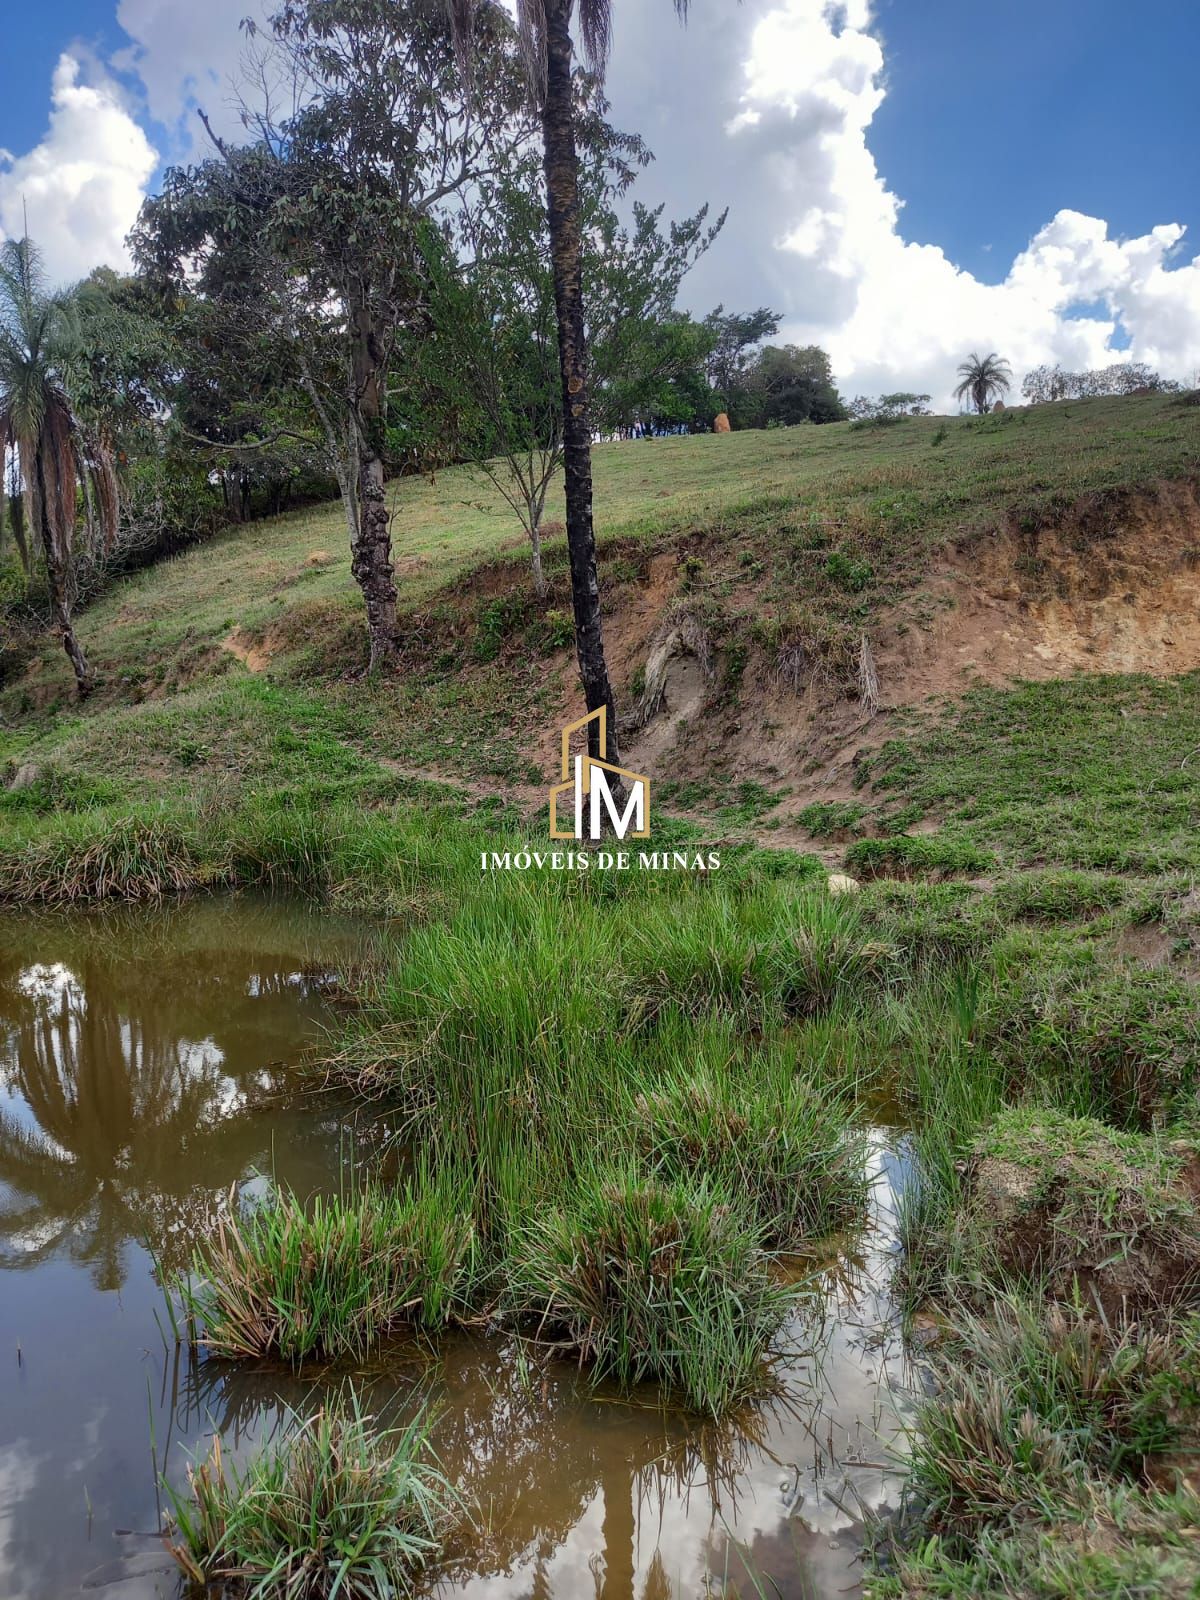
(57, 454)
(492, 357)
(793, 384)
(735, 337)
(315, 230)
(545, 30)
(983, 378)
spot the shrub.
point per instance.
(649, 1280)
(333, 1508)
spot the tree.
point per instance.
(545, 31)
(735, 336)
(983, 378)
(313, 235)
(1045, 384)
(889, 407)
(57, 454)
(794, 384)
(491, 356)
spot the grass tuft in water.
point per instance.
(335, 1277)
(333, 1508)
(649, 1280)
(786, 1148)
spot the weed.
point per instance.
(648, 1280)
(333, 1507)
(335, 1278)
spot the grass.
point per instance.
(1028, 1473)
(645, 1279)
(785, 1148)
(335, 1277)
(336, 1507)
(631, 1090)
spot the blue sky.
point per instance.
(904, 176)
(1087, 103)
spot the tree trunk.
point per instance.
(535, 549)
(562, 187)
(372, 548)
(56, 582)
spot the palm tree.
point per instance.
(37, 421)
(982, 377)
(545, 31)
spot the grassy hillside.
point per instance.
(1018, 793)
(778, 551)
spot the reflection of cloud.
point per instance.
(19, 1468)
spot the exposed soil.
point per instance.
(1113, 586)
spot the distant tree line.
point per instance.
(1046, 384)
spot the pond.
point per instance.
(148, 1076)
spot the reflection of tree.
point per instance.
(134, 1120)
(527, 1444)
(117, 1104)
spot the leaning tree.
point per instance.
(56, 453)
(983, 378)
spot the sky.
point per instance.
(907, 180)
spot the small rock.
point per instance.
(842, 883)
(26, 777)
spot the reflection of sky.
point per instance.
(796, 1506)
(151, 1080)
(587, 1481)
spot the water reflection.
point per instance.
(586, 1497)
(129, 1084)
(140, 1055)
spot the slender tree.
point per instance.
(545, 31)
(55, 453)
(982, 378)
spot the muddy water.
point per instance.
(147, 1064)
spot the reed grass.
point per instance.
(644, 1280)
(335, 1507)
(334, 1277)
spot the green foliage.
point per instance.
(848, 571)
(825, 819)
(334, 1506)
(336, 1277)
(1027, 1464)
(918, 855)
(781, 1145)
(1059, 895)
(652, 1280)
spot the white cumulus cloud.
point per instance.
(81, 186)
(895, 313)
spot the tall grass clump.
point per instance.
(333, 1278)
(77, 858)
(785, 1147)
(643, 1279)
(333, 1508)
(1049, 1460)
(823, 952)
